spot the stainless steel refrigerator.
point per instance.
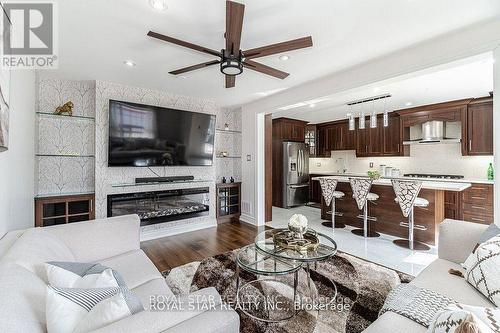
(295, 174)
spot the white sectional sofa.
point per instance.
(456, 241)
(113, 242)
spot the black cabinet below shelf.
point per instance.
(228, 197)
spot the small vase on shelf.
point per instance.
(491, 172)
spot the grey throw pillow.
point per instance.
(492, 231)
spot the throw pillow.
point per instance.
(488, 234)
(84, 310)
(82, 275)
(483, 269)
(459, 318)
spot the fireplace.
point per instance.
(161, 206)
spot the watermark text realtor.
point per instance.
(29, 39)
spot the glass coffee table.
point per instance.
(327, 248)
(251, 296)
(266, 258)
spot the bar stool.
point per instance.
(361, 193)
(407, 197)
(328, 186)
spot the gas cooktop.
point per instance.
(426, 175)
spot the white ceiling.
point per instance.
(466, 78)
(96, 36)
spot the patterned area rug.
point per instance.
(362, 288)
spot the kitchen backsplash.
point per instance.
(437, 159)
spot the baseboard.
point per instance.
(247, 219)
(180, 229)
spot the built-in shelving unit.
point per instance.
(220, 130)
(160, 183)
(64, 155)
(65, 116)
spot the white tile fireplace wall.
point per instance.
(437, 159)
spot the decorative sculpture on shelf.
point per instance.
(66, 108)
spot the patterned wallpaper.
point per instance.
(87, 134)
(108, 178)
(62, 135)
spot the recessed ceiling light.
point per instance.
(408, 103)
(284, 57)
(129, 63)
(312, 105)
(159, 5)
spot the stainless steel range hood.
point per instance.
(433, 131)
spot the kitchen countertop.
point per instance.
(431, 184)
(463, 180)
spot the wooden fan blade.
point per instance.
(194, 67)
(264, 69)
(290, 45)
(234, 24)
(183, 43)
(230, 81)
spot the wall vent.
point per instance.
(246, 207)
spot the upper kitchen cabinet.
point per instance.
(392, 145)
(334, 136)
(289, 129)
(311, 139)
(379, 141)
(479, 132)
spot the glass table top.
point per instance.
(327, 247)
(261, 263)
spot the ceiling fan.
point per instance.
(232, 60)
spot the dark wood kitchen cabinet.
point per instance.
(311, 139)
(314, 190)
(479, 139)
(289, 129)
(335, 136)
(392, 137)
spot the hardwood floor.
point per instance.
(173, 251)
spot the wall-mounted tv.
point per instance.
(144, 136)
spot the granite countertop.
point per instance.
(431, 184)
(463, 180)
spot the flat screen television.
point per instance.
(145, 136)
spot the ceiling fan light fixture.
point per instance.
(231, 67)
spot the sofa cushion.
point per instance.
(22, 300)
(483, 269)
(436, 277)
(83, 310)
(152, 288)
(392, 322)
(34, 248)
(82, 275)
(134, 266)
(465, 318)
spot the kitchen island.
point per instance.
(388, 212)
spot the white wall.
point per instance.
(17, 165)
(438, 159)
(496, 132)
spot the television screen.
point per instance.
(144, 136)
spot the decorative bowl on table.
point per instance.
(298, 225)
(288, 239)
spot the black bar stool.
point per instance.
(328, 186)
(407, 196)
(361, 193)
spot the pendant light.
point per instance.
(386, 115)
(373, 116)
(352, 121)
(362, 119)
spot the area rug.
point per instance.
(360, 288)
